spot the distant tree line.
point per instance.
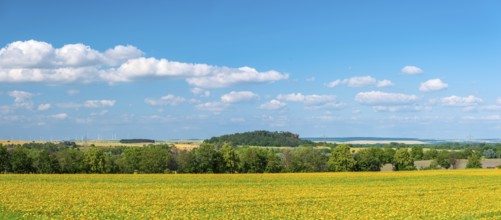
(136, 141)
(221, 158)
(261, 138)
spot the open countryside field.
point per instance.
(463, 194)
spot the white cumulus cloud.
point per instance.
(212, 106)
(60, 116)
(460, 101)
(99, 103)
(241, 96)
(171, 100)
(39, 62)
(306, 99)
(411, 70)
(378, 98)
(433, 85)
(360, 81)
(22, 99)
(272, 105)
(43, 107)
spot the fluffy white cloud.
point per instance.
(212, 106)
(242, 96)
(88, 104)
(360, 81)
(411, 70)
(60, 116)
(171, 100)
(43, 107)
(22, 99)
(460, 101)
(384, 83)
(99, 103)
(306, 99)
(272, 105)
(401, 108)
(218, 77)
(433, 85)
(378, 98)
(40, 62)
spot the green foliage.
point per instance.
(433, 166)
(94, 160)
(370, 159)
(253, 160)
(403, 160)
(259, 138)
(341, 159)
(307, 159)
(136, 141)
(4, 159)
(20, 162)
(230, 159)
(474, 160)
(207, 159)
(443, 159)
(430, 154)
(417, 152)
(489, 153)
(70, 160)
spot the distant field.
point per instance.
(463, 194)
(181, 144)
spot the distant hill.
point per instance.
(261, 138)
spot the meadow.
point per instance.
(439, 194)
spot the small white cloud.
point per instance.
(241, 96)
(99, 103)
(401, 108)
(306, 99)
(460, 101)
(171, 100)
(411, 70)
(225, 77)
(360, 81)
(22, 99)
(72, 92)
(272, 105)
(212, 106)
(43, 107)
(384, 83)
(433, 85)
(378, 98)
(334, 83)
(60, 116)
(498, 101)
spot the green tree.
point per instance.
(474, 160)
(388, 154)
(4, 159)
(230, 159)
(489, 153)
(132, 159)
(403, 160)
(341, 159)
(430, 154)
(275, 163)
(308, 159)
(45, 163)
(253, 160)
(417, 153)
(154, 159)
(444, 159)
(70, 160)
(207, 160)
(20, 162)
(370, 159)
(184, 161)
(94, 160)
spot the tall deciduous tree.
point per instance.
(341, 159)
(474, 160)
(94, 160)
(4, 159)
(403, 160)
(230, 159)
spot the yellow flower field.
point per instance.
(463, 194)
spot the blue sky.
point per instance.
(195, 69)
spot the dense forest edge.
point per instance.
(249, 152)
